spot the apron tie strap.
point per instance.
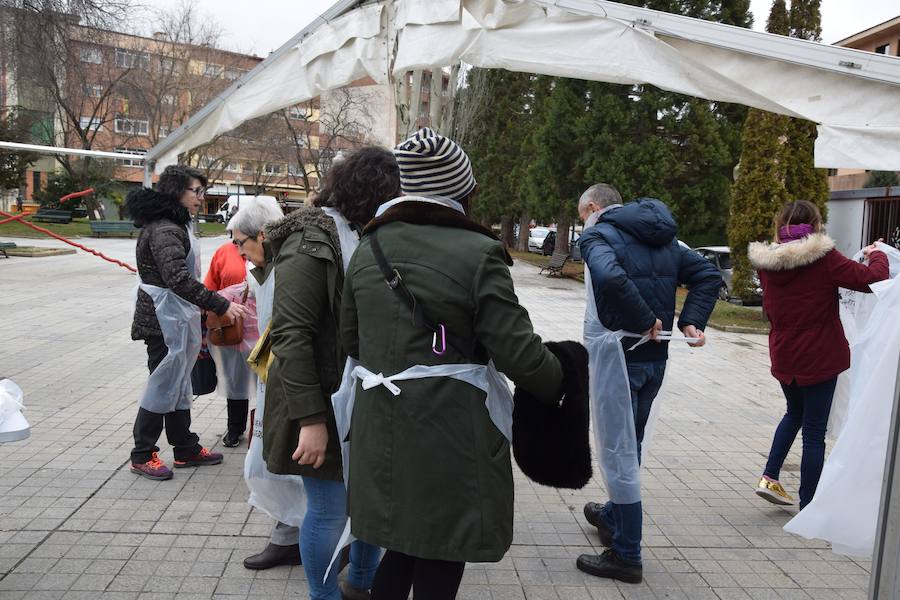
(371, 380)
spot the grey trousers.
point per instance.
(285, 535)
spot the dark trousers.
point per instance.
(808, 407)
(148, 426)
(428, 579)
(626, 520)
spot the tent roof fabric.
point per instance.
(853, 96)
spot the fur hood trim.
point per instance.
(429, 213)
(792, 255)
(146, 206)
(298, 220)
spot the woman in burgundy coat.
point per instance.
(800, 276)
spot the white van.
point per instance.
(230, 206)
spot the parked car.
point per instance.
(230, 206)
(536, 238)
(720, 256)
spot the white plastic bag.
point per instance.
(13, 425)
(855, 310)
(845, 508)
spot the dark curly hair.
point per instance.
(358, 184)
(175, 179)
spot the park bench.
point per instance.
(556, 264)
(79, 213)
(98, 228)
(4, 246)
(53, 216)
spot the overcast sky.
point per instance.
(270, 23)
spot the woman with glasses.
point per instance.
(167, 318)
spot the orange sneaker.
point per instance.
(204, 457)
(154, 468)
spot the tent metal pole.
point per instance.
(884, 583)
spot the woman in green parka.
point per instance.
(311, 248)
(430, 473)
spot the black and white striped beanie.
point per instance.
(432, 165)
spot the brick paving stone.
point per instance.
(75, 523)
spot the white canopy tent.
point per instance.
(853, 96)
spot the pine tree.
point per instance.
(759, 190)
(802, 180)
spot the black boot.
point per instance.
(592, 514)
(274, 556)
(237, 422)
(609, 565)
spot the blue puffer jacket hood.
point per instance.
(647, 219)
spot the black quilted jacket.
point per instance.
(162, 248)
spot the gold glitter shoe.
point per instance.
(774, 492)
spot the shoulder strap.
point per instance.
(394, 280)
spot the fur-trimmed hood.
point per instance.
(766, 256)
(146, 206)
(298, 220)
(429, 213)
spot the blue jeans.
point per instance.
(625, 520)
(326, 515)
(808, 407)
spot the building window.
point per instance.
(212, 70)
(295, 171)
(832, 172)
(36, 181)
(89, 124)
(273, 169)
(132, 126)
(168, 99)
(164, 131)
(128, 59)
(129, 162)
(233, 167)
(91, 54)
(169, 66)
(298, 112)
(883, 49)
(234, 74)
(92, 90)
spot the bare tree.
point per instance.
(67, 68)
(318, 131)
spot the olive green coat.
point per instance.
(430, 474)
(307, 356)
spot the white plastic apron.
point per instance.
(845, 509)
(169, 386)
(282, 497)
(499, 404)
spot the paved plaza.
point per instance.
(75, 523)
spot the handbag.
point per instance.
(222, 331)
(203, 375)
(261, 355)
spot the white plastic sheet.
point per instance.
(859, 119)
(13, 425)
(845, 508)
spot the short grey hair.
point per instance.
(601, 194)
(254, 213)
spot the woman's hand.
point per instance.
(235, 310)
(311, 445)
(871, 248)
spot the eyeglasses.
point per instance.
(198, 191)
(240, 243)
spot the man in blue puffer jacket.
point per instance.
(636, 265)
